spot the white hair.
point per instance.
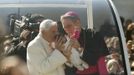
(46, 24)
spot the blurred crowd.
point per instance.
(128, 26)
(129, 34)
(14, 49)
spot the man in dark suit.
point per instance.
(93, 43)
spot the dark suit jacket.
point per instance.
(94, 47)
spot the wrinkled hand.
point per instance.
(68, 51)
(59, 43)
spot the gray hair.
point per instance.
(46, 24)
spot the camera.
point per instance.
(26, 23)
(29, 22)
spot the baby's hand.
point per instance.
(75, 43)
(80, 49)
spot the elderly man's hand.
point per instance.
(59, 43)
(68, 51)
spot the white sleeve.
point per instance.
(39, 63)
(75, 57)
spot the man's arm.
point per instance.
(41, 63)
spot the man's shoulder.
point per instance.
(35, 42)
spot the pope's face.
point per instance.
(52, 31)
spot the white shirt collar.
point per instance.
(43, 40)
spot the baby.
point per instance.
(75, 59)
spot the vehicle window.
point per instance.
(54, 13)
(105, 24)
(102, 46)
